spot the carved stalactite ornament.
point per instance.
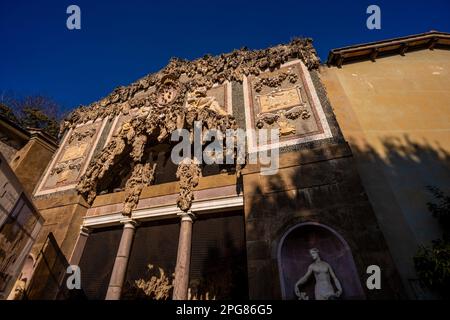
(174, 98)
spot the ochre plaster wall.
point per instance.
(395, 114)
(30, 162)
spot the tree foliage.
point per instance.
(433, 262)
(7, 112)
(35, 111)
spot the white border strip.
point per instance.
(229, 105)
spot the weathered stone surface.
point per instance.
(171, 99)
(203, 72)
(151, 126)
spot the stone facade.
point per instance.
(20, 222)
(28, 151)
(24, 155)
(12, 138)
(108, 170)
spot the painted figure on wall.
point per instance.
(323, 274)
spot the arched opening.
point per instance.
(294, 258)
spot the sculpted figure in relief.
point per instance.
(199, 99)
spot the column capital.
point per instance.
(85, 231)
(129, 223)
(187, 216)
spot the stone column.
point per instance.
(121, 262)
(181, 282)
(79, 245)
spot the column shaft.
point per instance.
(79, 246)
(121, 262)
(181, 283)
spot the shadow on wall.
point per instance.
(405, 169)
(331, 193)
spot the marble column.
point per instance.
(121, 262)
(79, 245)
(181, 282)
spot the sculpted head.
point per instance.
(314, 252)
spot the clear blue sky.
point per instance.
(121, 41)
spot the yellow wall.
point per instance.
(395, 113)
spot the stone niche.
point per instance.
(294, 258)
(72, 156)
(284, 99)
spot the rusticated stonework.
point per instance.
(149, 110)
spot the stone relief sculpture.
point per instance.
(285, 127)
(323, 274)
(207, 71)
(157, 288)
(73, 155)
(143, 175)
(276, 81)
(66, 166)
(199, 99)
(78, 136)
(281, 119)
(174, 98)
(189, 173)
(160, 286)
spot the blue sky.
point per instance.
(121, 41)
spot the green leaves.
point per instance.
(34, 117)
(7, 112)
(37, 112)
(433, 262)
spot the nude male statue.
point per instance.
(322, 272)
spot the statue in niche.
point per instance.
(323, 274)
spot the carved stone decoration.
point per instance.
(296, 112)
(206, 71)
(266, 118)
(281, 119)
(167, 92)
(171, 99)
(283, 124)
(143, 175)
(151, 127)
(276, 81)
(189, 174)
(199, 99)
(64, 166)
(158, 287)
(324, 276)
(78, 136)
